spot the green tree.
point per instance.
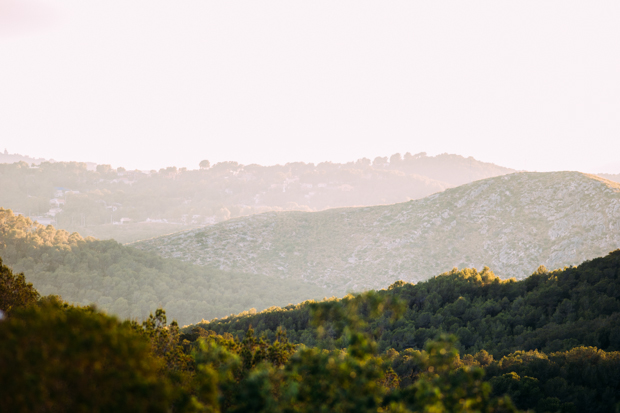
(445, 385)
(15, 292)
(56, 358)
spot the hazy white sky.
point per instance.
(146, 84)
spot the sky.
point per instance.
(147, 84)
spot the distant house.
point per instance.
(114, 206)
(125, 220)
(59, 191)
(54, 211)
(121, 180)
(57, 202)
(159, 221)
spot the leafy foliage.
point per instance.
(14, 290)
(355, 379)
(56, 358)
(579, 380)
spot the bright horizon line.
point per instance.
(116, 166)
(189, 168)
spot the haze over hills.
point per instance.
(610, 177)
(130, 283)
(6, 157)
(132, 205)
(512, 223)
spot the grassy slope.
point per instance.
(511, 223)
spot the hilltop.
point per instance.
(131, 205)
(512, 223)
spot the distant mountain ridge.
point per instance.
(610, 177)
(512, 223)
(132, 205)
(6, 157)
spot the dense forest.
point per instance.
(550, 340)
(89, 361)
(548, 311)
(131, 283)
(131, 205)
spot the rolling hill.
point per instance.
(132, 205)
(131, 283)
(512, 223)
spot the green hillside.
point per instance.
(551, 341)
(512, 223)
(547, 311)
(132, 283)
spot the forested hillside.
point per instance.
(547, 311)
(93, 362)
(131, 283)
(551, 341)
(512, 223)
(131, 205)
